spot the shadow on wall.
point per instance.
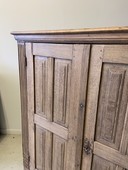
(2, 117)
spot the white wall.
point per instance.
(44, 14)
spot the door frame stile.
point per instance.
(30, 102)
(95, 67)
(77, 107)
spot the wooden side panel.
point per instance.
(43, 86)
(112, 104)
(62, 79)
(102, 164)
(59, 153)
(24, 114)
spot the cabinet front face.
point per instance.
(56, 90)
(106, 126)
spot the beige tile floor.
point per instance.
(10, 152)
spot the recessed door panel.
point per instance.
(112, 105)
(62, 83)
(59, 153)
(43, 68)
(102, 164)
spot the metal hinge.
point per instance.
(87, 147)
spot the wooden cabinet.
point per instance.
(74, 95)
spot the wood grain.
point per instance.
(53, 50)
(112, 104)
(101, 38)
(40, 148)
(110, 154)
(77, 105)
(69, 92)
(24, 114)
(102, 164)
(92, 100)
(30, 102)
(118, 53)
(43, 86)
(43, 149)
(59, 153)
(124, 140)
(62, 87)
(93, 35)
(84, 30)
(51, 126)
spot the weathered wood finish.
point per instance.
(58, 115)
(43, 86)
(48, 50)
(62, 91)
(24, 115)
(101, 164)
(30, 102)
(92, 100)
(106, 113)
(55, 115)
(113, 100)
(99, 35)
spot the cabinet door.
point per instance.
(106, 126)
(56, 90)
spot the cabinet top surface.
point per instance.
(73, 31)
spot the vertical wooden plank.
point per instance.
(23, 94)
(44, 86)
(112, 105)
(40, 148)
(40, 85)
(62, 91)
(92, 99)
(43, 147)
(49, 90)
(77, 107)
(48, 150)
(30, 101)
(59, 150)
(124, 140)
(44, 103)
